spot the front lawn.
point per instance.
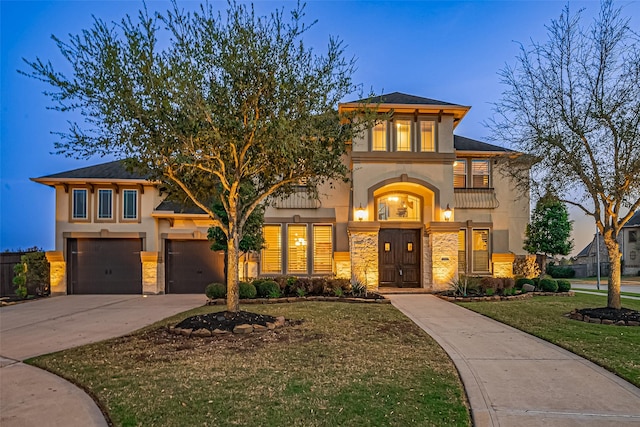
(344, 364)
(616, 348)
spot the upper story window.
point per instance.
(379, 137)
(480, 173)
(403, 135)
(460, 173)
(633, 237)
(477, 169)
(427, 136)
(79, 203)
(130, 204)
(398, 207)
(105, 204)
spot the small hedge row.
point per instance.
(545, 284)
(287, 286)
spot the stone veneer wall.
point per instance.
(342, 262)
(364, 257)
(503, 264)
(444, 249)
(149, 272)
(427, 275)
(57, 272)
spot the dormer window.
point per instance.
(379, 137)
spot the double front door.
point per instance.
(399, 258)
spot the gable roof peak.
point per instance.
(399, 98)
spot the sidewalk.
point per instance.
(514, 379)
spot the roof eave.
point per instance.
(52, 182)
(458, 111)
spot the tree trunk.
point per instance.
(613, 294)
(233, 252)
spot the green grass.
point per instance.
(345, 364)
(615, 348)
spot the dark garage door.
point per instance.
(191, 266)
(104, 266)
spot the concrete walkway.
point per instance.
(515, 379)
(32, 397)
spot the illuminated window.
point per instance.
(427, 136)
(462, 251)
(481, 250)
(322, 249)
(271, 259)
(398, 207)
(105, 204)
(403, 135)
(130, 204)
(297, 249)
(379, 137)
(79, 208)
(480, 173)
(460, 174)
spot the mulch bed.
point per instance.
(225, 321)
(628, 316)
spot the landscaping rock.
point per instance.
(279, 321)
(607, 322)
(186, 332)
(201, 333)
(632, 323)
(259, 328)
(243, 329)
(219, 332)
(271, 326)
(594, 320)
(528, 288)
(620, 323)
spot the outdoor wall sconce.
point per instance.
(447, 213)
(360, 213)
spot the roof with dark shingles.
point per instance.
(176, 207)
(462, 143)
(109, 170)
(634, 221)
(403, 98)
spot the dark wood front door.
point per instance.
(399, 258)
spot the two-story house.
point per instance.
(422, 206)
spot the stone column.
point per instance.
(57, 272)
(443, 239)
(363, 248)
(149, 272)
(427, 259)
(503, 264)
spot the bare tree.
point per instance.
(573, 104)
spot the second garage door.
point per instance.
(104, 266)
(191, 266)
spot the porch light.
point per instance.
(360, 213)
(447, 213)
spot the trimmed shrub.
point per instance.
(508, 283)
(246, 290)
(215, 290)
(564, 285)
(523, 280)
(494, 283)
(266, 288)
(562, 272)
(548, 285)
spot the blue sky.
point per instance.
(447, 50)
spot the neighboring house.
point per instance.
(423, 206)
(630, 245)
(585, 263)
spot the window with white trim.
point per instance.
(129, 204)
(105, 204)
(79, 203)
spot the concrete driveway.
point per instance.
(30, 396)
